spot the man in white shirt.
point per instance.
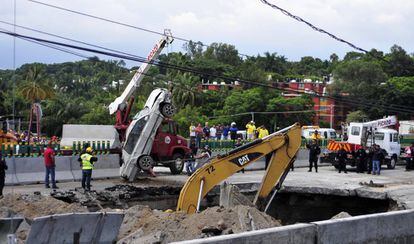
(213, 132)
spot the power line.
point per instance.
(249, 113)
(121, 23)
(287, 13)
(67, 38)
(52, 46)
(191, 70)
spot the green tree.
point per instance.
(356, 116)
(35, 89)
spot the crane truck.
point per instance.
(151, 137)
(367, 134)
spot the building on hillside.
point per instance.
(216, 86)
(327, 110)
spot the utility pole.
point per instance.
(332, 115)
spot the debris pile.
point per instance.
(33, 206)
(36, 205)
(144, 225)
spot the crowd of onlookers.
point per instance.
(225, 132)
(25, 138)
(218, 132)
(367, 159)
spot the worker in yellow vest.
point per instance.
(262, 132)
(250, 130)
(86, 162)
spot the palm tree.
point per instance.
(184, 91)
(35, 89)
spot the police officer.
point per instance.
(361, 157)
(3, 168)
(314, 151)
(342, 155)
(86, 161)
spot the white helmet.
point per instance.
(233, 123)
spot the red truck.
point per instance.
(169, 148)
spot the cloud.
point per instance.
(248, 24)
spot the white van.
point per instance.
(326, 133)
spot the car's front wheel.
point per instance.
(178, 165)
(145, 162)
(167, 109)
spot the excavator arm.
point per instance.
(282, 145)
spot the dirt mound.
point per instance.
(36, 205)
(144, 225)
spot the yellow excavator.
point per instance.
(282, 145)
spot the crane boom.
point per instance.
(139, 74)
(381, 123)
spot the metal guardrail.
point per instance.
(227, 145)
(37, 150)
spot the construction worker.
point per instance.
(251, 129)
(86, 161)
(316, 136)
(262, 132)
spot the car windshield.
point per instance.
(135, 134)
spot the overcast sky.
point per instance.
(251, 26)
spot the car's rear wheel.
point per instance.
(167, 109)
(178, 165)
(145, 162)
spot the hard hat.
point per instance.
(252, 122)
(89, 149)
(233, 123)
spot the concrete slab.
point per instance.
(76, 228)
(8, 226)
(291, 234)
(390, 227)
(71, 133)
(11, 178)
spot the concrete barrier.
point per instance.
(291, 234)
(11, 178)
(32, 169)
(106, 167)
(8, 226)
(76, 228)
(390, 227)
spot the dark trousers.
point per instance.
(342, 166)
(409, 165)
(86, 179)
(313, 161)
(2, 179)
(50, 170)
(360, 165)
(369, 165)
